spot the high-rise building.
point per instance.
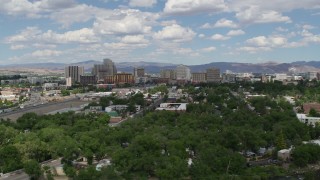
(108, 68)
(168, 73)
(183, 72)
(199, 77)
(138, 72)
(213, 75)
(312, 75)
(74, 72)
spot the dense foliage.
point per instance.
(206, 142)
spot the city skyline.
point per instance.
(181, 32)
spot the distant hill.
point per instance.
(154, 67)
(315, 64)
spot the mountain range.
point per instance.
(154, 67)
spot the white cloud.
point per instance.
(263, 43)
(281, 29)
(219, 37)
(33, 9)
(187, 7)
(33, 35)
(125, 22)
(276, 5)
(225, 23)
(78, 14)
(271, 41)
(208, 49)
(236, 32)
(138, 39)
(308, 27)
(175, 33)
(142, 3)
(253, 49)
(254, 14)
(45, 53)
(202, 36)
(17, 47)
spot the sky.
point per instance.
(170, 31)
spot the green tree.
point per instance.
(33, 169)
(313, 113)
(10, 158)
(281, 141)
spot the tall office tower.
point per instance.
(168, 73)
(213, 75)
(74, 72)
(101, 71)
(183, 72)
(138, 72)
(110, 67)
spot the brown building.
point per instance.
(120, 78)
(308, 106)
(161, 80)
(86, 80)
(138, 72)
(199, 77)
(213, 75)
(168, 73)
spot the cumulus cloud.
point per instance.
(219, 37)
(254, 49)
(271, 41)
(45, 53)
(33, 9)
(77, 14)
(187, 7)
(138, 39)
(276, 5)
(33, 35)
(263, 43)
(125, 22)
(236, 32)
(254, 14)
(201, 36)
(175, 33)
(142, 3)
(225, 23)
(17, 47)
(208, 49)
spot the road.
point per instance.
(140, 113)
(43, 108)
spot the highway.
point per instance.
(43, 108)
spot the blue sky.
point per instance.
(170, 31)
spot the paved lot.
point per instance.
(43, 109)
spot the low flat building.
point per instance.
(88, 80)
(308, 120)
(120, 108)
(172, 107)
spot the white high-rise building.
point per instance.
(108, 68)
(74, 72)
(183, 72)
